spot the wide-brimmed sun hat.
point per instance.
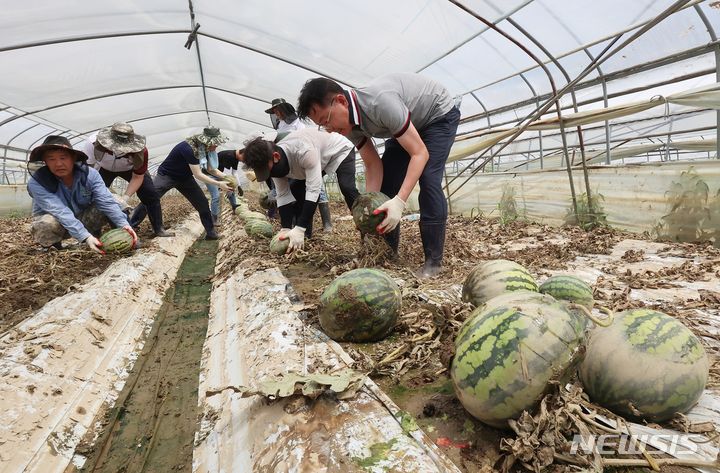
(121, 139)
(211, 136)
(55, 142)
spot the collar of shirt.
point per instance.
(353, 108)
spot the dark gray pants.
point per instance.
(189, 188)
(147, 194)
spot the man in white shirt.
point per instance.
(304, 156)
(285, 120)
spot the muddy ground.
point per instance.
(31, 276)
(411, 365)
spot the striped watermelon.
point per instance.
(259, 229)
(645, 365)
(508, 356)
(495, 277)
(361, 305)
(117, 240)
(231, 181)
(362, 211)
(252, 215)
(503, 300)
(277, 246)
(569, 288)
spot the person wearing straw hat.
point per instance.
(69, 198)
(418, 117)
(181, 168)
(117, 151)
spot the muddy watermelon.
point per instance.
(362, 211)
(277, 246)
(569, 288)
(508, 357)
(231, 181)
(117, 240)
(503, 300)
(252, 215)
(361, 305)
(646, 365)
(259, 229)
(266, 202)
(494, 278)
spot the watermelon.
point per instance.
(509, 356)
(277, 246)
(362, 211)
(496, 277)
(505, 299)
(231, 181)
(117, 240)
(252, 215)
(266, 202)
(259, 229)
(646, 365)
(569, 288)
(241, 210)
(361, 305)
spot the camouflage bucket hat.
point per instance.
(211, 136)
(121, 139)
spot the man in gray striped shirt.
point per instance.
(419, 119)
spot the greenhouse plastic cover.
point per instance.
(74, 67)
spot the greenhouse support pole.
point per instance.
(193, 38)
(602, 57)
(713, 37)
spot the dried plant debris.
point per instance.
(31, 276)
(344, 383)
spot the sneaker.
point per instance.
(211, 235)
(164, 233)
(428, 270)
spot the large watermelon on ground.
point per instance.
(494, 278)
(646, 365)
(363, 208)
(266, 202)
(277, 246)
(507, 358)
(259, 229)
(361, 305)
(252, 215)
(507, 299)
(569, 288)
(117, 240)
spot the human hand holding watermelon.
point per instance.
(132, 233)
(393, 210)
(94, 244)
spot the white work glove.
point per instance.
(296, 237)
(122, 201)
(94, 244)
(132, 233)
(393, 209)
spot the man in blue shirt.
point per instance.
(179, 171)
(69, 198)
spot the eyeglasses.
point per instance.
(324, 124)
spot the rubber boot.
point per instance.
(393, 240)
(433, 241)
(325, 216)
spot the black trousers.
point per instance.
(438, 137)
(147, 194)
(346, 179)
(189, 189)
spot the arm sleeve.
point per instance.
(104, 201)
(286, 215)
(140, 162)
(392, 113)
(53, 205)
(282, 188)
